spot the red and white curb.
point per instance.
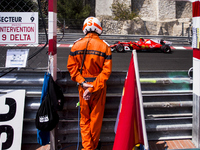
(181, 48)
(70, 45)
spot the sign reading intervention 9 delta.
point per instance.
(19, 28)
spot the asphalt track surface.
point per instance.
(147, 60)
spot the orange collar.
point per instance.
(92, 35)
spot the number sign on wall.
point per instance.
(11, 119)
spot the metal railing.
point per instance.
(69, 38)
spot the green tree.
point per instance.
(73, 12)
(72, 9)
(44, 7)
(122, 12)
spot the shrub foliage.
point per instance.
(122, 12)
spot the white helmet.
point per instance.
(92, 24)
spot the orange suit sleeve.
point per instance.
(73, 66)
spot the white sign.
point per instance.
(16, 58)
(19, 28)
(11, 119)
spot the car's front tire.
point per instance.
(166, 49)
(120, 48)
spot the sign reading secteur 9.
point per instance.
(19, 28)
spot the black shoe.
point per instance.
(99, 146)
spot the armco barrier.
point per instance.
(167, 104)
(69, 38)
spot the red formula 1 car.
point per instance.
(143, 44)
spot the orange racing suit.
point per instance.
(96, 70)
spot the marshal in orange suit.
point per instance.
(96, 70)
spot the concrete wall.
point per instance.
(147, 9)
(156, 17)
(166, 10)
(103, 8)
(183, 9)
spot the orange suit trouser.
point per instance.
(92, 112)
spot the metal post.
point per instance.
(52, 33)
(189, 34)
(189, 30)
(196, 77)
(64, 27)
(182, 28)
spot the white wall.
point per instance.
(103, 8)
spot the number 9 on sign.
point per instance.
(3, 37)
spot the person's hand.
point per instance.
(86, 85)
(87, 95)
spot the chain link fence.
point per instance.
(38, 56)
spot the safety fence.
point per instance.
(13, 32)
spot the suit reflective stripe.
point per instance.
(108, 57)
(91, 52)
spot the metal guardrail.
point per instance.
(167, 104)
(69, 38)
